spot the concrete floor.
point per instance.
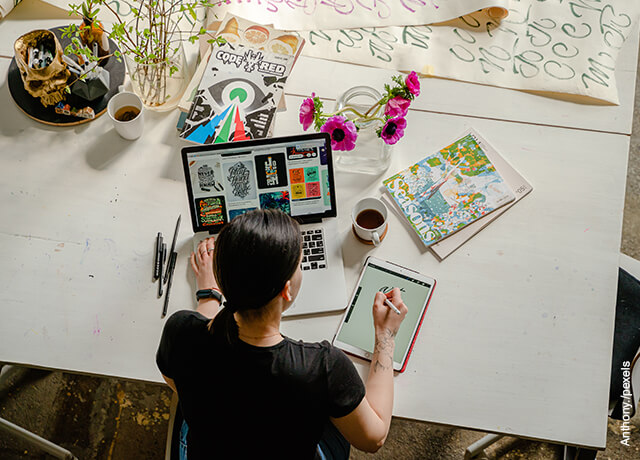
(106, 418)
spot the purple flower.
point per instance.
(343, 133)
(413, 84)
(306, 112)
(393, 130)
(397, 107)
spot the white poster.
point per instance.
(345, 14)
(553, 45)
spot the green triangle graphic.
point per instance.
(226, 129)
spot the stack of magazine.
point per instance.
(451, 195)
(239, 85)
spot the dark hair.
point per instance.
(255, 255)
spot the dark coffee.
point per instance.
(127, 113)
(369, 219)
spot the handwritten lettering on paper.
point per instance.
(333, 14)
(546, 45)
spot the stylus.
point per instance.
(388, 303)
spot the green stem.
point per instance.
(367, 115)
(343, 110)
(376, 118)
(376, 106)
(361, 117)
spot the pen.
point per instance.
(157, 263)
(388, 303)
(165, 306)
(173, 249)
(171, 265)
(163, 257)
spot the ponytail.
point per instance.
(254, 256)
(225, 326)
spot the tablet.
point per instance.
(356, 333)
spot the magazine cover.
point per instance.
(238, 95)
(444, 192)
(516, 182)
(241, 32)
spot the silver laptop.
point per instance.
(294, 174)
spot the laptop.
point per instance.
(292, 173)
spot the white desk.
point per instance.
(518, 336)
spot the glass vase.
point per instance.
(371, 155)
(160, 86)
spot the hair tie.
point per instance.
(229, 307)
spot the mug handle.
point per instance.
(375, 238)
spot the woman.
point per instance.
(245, 390)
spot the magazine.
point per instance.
(448, 190)
(238, 95)
(518, 185)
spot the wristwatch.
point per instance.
(209, 294)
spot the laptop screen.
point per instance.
(293, 174)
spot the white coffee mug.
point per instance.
(131, 129)
(369, 217)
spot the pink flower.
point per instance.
(343, 133)
(397, 107)
(413, 84)
(306, 112)
(393, 130)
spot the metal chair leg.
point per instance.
(42, 443)
(478, 447)
(47, 446)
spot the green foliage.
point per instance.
(150, 36)
(399, 89)
(319, 118)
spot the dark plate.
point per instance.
(34, 109)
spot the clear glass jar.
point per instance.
(371, 155)
(155, 84)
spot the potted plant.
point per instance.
(149, 39)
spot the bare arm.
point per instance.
(367, 427)
(202, 265)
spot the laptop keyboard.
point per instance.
(313, 250)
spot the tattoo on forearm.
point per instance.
(383, 351)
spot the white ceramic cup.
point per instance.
(131, 129)
(369, 226)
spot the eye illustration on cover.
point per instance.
(244, 93)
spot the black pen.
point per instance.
(163, 257)
(170, 269)
(173, 248)
(157, 262)
(171, 265)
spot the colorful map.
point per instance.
(446, 191)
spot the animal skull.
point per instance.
(49, 82)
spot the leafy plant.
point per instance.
(150, 37)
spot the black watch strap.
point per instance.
(209, 294)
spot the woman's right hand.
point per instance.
(384, 318)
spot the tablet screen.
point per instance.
(358, 330)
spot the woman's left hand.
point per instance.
(202, 265)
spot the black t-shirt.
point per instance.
(245, 401)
